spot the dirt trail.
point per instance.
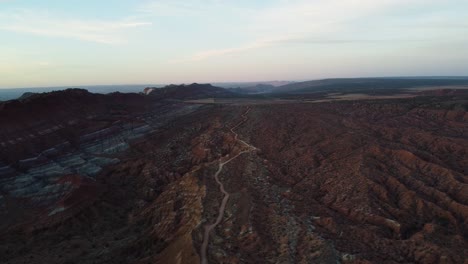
(209, 228)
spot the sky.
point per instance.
(89, 42)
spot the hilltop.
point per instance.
(367, 85)
(191, 91)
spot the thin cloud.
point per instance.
(345, 41)
(185, 8)
(221, 52)
(163, 8)
(304, 21)
(284, 41)
(44, 64)
(46, 24)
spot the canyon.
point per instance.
(163, 177)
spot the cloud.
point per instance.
(175, 8)
(44, 63)
(184, 8)
(303, 21)
(284, 41)
(261, 43)
(46, 24)
(220, 52)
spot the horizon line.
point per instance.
(227, 82)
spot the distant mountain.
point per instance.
(27, 95)
(192, 91)
(256, 89)
(366, 85)
(234, 85)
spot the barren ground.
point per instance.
(362, 181)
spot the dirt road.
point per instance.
(209, 228)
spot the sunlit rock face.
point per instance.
(147, 91)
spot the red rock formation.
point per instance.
(351, 182)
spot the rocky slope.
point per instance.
(382, 181)
(353, 182)
(191, 91)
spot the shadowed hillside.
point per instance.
(184, 92)
(367, 85)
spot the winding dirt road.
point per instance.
(209, 228)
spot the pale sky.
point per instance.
(90, 42)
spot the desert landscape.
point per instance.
(234, 132)
(170, 177)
